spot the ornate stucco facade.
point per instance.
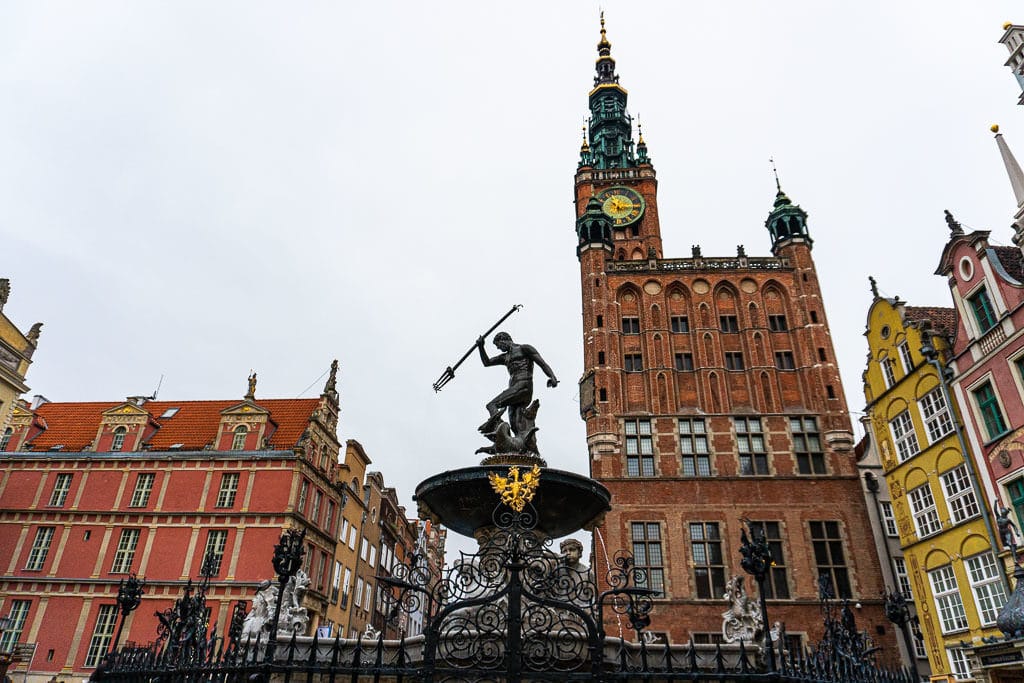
(16, 349)
(955, 578)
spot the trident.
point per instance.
(449, 373)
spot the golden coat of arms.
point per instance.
(515, 490)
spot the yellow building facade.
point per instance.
(16, 349)
(957, 581)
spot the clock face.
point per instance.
(621, 204)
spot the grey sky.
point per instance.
(197, 189)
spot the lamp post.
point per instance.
(898, 612)
(288, 556)
(757, 561)
(129, 597)
(7, 654)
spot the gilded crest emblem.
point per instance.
(515, 490)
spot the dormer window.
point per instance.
(118, 441)
(981, 307)
(238, 442)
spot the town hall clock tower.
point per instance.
(712, 401)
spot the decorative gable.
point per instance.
(122, 428)
(245, 426)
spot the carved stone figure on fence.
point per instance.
(294, 617)
(742, 621)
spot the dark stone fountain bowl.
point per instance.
(463, 500)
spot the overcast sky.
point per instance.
(193, 190)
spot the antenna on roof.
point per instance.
(157, 390)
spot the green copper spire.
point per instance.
(611, 127)
(787, 221)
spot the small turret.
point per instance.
(787, 222)
(593, 228)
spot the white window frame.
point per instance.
(18, 613)
(948, 604)
(924, 511)
(908, 362)
(986, 585)
(959, 665)
(217, 542)
(102, 634)
(143, 489)
(125, 553)
(938, 421)
(61, 486)
(888, 374)
(889, 519)
(228, 489)
(117, 441)
(904, 436)
(902, 577)
(238, 436)
(358, 599)
(960, 498)
(40, 549)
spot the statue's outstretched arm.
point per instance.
(487, 361)
(536, 357)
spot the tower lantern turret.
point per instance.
(786, 222)
(593, 228)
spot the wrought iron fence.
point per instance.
(513, 611)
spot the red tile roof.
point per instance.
(74, 425)
(943, 319)
(1010, 257)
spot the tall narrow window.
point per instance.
(344, 588)
(647, 554)
(303, 495)
(639, 448)
(18, 615)
(101, 635)
(318, 499)
(810, 458)
(6, 438)
(336, 583)
(143, 487)
(991, 413)
(922, 506)
(1016, 491)
(908, 361)
(937, 419)
(729, 323)
(358, 601)
(228, 489)
(889, 519)
(829, 558)
(216, 542)
(947, 599)
(981, 307)
(61, 486)
(776, 587)
(708, 563)
(125, 554)
(904, 436)
(960, 498)
(986, 586)
(238, 441)
(118, 442)
(902, 578)
(750, 444)
(887, 372)
(680, 324)
(40, 548)
(693, 443)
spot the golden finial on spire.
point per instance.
(585, 146)
(1007, 24)
(640, 130)
(994, 128)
